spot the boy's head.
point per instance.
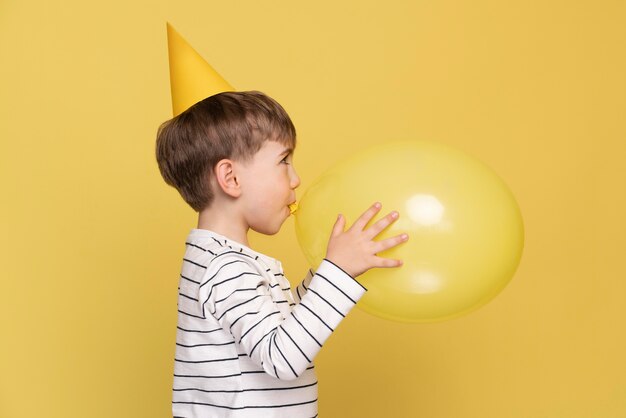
(232, 125)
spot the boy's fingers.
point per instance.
(381, 224)
(388, 262)
(391, 242)
(366, 217)
(339, 225)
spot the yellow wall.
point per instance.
(92, 238)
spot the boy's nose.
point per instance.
(295, 180)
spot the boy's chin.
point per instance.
(272, 228)
(268, 229)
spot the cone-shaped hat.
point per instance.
(191, 78)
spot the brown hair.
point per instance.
(230, 125)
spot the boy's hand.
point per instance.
(355, 249)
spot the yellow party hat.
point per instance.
(191, 78)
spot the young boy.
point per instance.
(245, 342)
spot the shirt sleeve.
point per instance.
(303, 286)
(238, 295)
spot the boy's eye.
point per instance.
(284, 160)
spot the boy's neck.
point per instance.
(225, 226)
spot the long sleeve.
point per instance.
(283, 341)
(303, 286)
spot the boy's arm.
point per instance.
(239, 298)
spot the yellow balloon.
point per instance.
(465, 227)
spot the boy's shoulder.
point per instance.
(213, 250)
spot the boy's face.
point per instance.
(268, 186)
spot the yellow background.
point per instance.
(91, 238)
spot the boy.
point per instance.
(245, 342)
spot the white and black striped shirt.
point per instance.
(245, 343)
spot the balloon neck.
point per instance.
(293, 208)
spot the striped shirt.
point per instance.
(245, 343)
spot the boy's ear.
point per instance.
(226, 177)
